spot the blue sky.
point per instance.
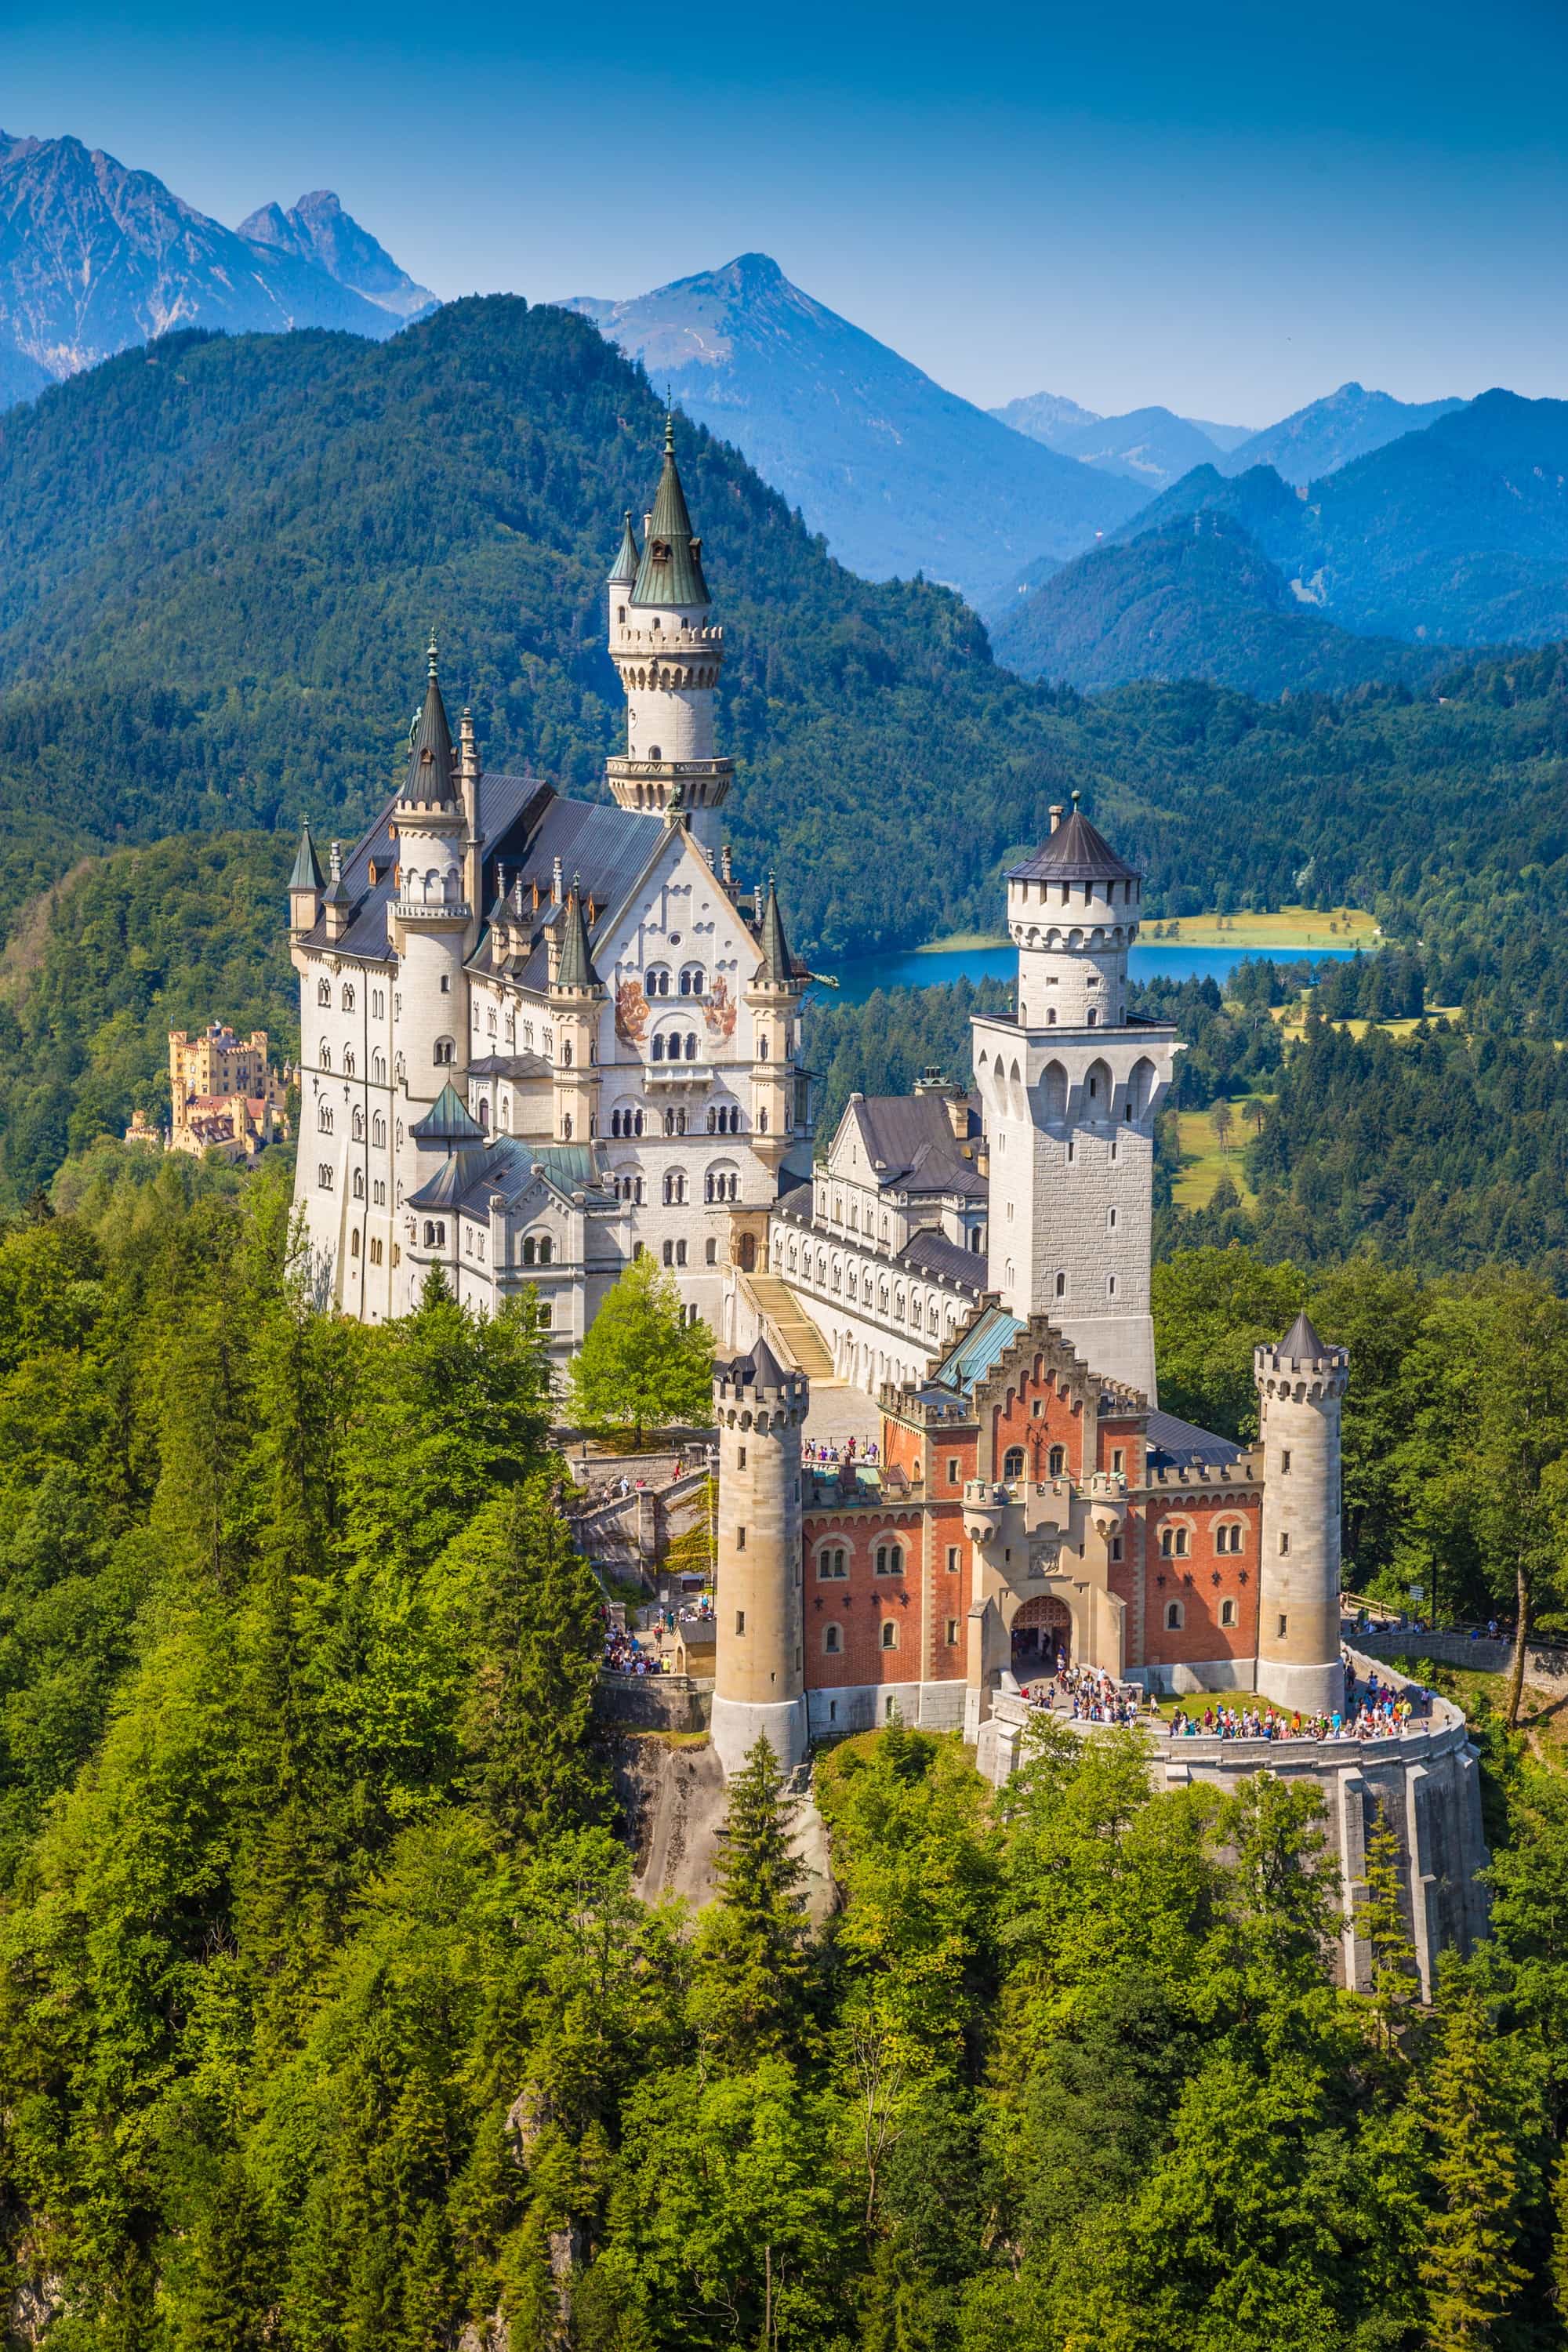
(1210, 206)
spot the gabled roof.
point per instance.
(1075, 852)
(974, 1351)
(431, 777)
(508, 1164)
(910, 1142)
(448, 1121)
(307, 873)
(671, 571)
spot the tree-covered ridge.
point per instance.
(224, 554)
(329, 2019)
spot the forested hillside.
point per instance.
(223, 557)
(330, 2021)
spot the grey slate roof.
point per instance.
(307, 873)
(509, 1065)
(505, 1164)
(1179, 1446)
(432, 773)
(931, 1252)
(910, 1144)
(1302, 1344)
(575, 969)
(1074, 852)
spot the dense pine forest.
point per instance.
(330, 2020)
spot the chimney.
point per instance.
(727, 863)
(757, 900)
(560, 895)
(1055, 814)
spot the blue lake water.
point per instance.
(1160, 960)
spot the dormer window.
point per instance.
(659, 550)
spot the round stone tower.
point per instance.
(1300, 1386)
(431, 917)
(759, 1684)
(1073, 913)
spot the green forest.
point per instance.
(328, 2017)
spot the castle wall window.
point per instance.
(354, 1238)
(693, 979)
(1285, 1463)
(348, 998)
(324, 1176)
(358, 1186)
(356, 1125)
(832, 1565)
(1119, 1459)
(446, 1050)
(889, 1560)
(950, 1636)
(890, 1635)
(1284, 1542)
(434, 1234)
(375, 1250)
(348, 1061)
(446, 983)
(324, 1118)
(323, 991)
(1061, 1286)
(1227, 1612)
(1173, 1616)
(1174, 1543)
(1283, 1622)
(1056, 1461)
(378, 1069)
(674, 1188)
(711, 1252)
(1012, 1464)
(656, 982)
(833, 1640)
(326, 1055)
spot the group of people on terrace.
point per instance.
(821, 1455)
(624, 1654)
(1084, 1694)
(1380, 1713)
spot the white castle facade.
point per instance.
(538, 1034)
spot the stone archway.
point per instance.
(1041, 1628)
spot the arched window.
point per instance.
(353, 1237)
(1012, 1463)
(446, 1050)
(358, 1186)
(324, 1117)
(323, 991)
(889, 1560)
(347, 999)
(378, 1069)
(566, 1128)
(378, 1131)
(833, 1564)
(545, 1249)
(1173, 1616)
(529, 1250)
(484, 1114)
(434, 1234)
(833, 1640)
(693, 979)
(324, 1176)
(674, 1188)
(890, 1634)
(656, 982)
(1061, 1286)
(1227, 1612)
(326, 1055)
(1173, 1542)
(374, 1250)
(1056, 1461)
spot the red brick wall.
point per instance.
(1201, 1580)
(1126, 1438)
(860, 1601)
(1059, 1422)
(948, 1592)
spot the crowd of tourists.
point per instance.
(821, 1456)
(1380, 1713)
(1084, 1694)
(624, 1654)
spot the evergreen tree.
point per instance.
(752, 1972)
(1469, 2269)
(642, 1366)
(1395, 1981)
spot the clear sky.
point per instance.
(1229, 209)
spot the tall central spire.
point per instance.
(671, 571)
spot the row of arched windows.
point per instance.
(674, 1046)
(693, 981)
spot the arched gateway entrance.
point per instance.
(1042, 1630)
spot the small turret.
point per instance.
(305, 886)
(774, 998)
(759, 1664)
(1300, 1386)
(336, 903)
(578, 997)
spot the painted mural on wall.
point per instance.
(631, 1013)
(720, 1010)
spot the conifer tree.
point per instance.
(748, 1992)
(642, 1365)
(1395, 1981)
(1468, 2271)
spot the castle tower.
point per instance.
(669, 655)
(760, 1683)
(1072, 1085)
(1300, 1385)
(774, 997)
(432, 917)
(577, 995)
(305, 886)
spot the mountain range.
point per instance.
(94, 258)
(1453, 536)
(900, 476)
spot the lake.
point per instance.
(1159, 959)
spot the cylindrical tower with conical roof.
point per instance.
(1300, 1387)
(759, 1679)
(669, 655)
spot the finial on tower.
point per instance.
(669, 432)
(430, 656)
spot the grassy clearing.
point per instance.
(1202, 1162)
(1544, 1718)
(1295, 930)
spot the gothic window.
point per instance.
(446, 1050)
(326, 1055)
(434, 1234)
(347, 999)
(674, 1188)
(566, 1128)
(1174, 1543)
(353, 1237)
(348, 1061)
(323, 991)
(378, 1069)
(356, 1125)
(838, 1275)
(1061, 1286)
(691, 1044)
(376, 1251)
(484, 1114)
(1012, 1464)
(889, 1560)
(656, 982)
(890, 1636)
(378, 1131)
(324, 1118)
(1057, 1460)
(324, 1176)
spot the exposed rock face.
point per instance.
(94, 256)
(317, 229)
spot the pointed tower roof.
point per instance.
(777, 964)
(307, 873)
(627, 561)
(1074, 852)
(431, 773)
(1302, 1344)
(576, 966)
(670, 571)
(447, 1122)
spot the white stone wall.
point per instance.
(346, 1061)
(1299, 1569)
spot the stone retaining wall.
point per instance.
(1546, 1667)
(654, 1702)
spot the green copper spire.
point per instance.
(576, 966)
(777, 964)
(627, 561)
(307, 873)
(671, 571)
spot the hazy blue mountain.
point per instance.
(94, 258)
(1455, 536)
(899, 475)
(1195, 599)
(318, 229)
(1151, 446)
(1332, 432)
(1224, 436)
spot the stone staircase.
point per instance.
(788, 1321)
